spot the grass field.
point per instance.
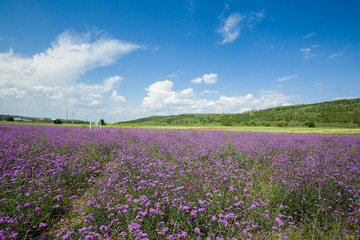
(128, 183)
(305, 130)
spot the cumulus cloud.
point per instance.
(52, 78)
(286, 78)
(116, 98)
(245, 103)
(206, 78)
(110, 82)
(78, 95)
(161, 96)
(11, 92)
(68, 57)
(209, 92)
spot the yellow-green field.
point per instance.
(317, 130)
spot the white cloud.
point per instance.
(230, 29)
(116, 98)
(210, 92)
(210, 78)
(206, 78)
(50, 81)
(286, 78)
(197, 80)
(310, 35)
(73, 101)
(94, 103)
(110, 82)
(11, 92)
(84, 94)
(335, 55)
(59, 95)
(67, 58)
(175, 74)
(307, 53)
(340, 98)
(254, 18)
(161, 96)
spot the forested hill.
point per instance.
(338, 113)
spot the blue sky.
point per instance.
(121, 60)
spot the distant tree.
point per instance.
(226, 122)
(102, 122)
(9, 118)
(57, 121)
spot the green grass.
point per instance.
(318, 130)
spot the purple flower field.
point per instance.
(72, 183)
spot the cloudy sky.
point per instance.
(121, 60)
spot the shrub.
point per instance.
(310, 124)
(9, 118)
(57, 121)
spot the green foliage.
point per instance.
(227, 122)
(310, 124)
(9, 118)
(339, 113)
(57, 121)
(102, 122)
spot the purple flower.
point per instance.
(278, 220)
(202, 202)
(58, 197)
(14, 235)
(42, 225)
(193, 213)
(197, 230)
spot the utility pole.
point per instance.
(67, 111)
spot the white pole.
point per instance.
(90, 125)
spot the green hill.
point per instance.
(339, 113)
